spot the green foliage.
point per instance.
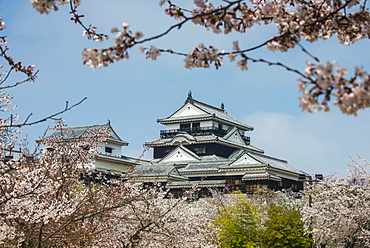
(238, 225)
(242, 224)
(284, 228)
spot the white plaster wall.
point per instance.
(206, 124)
(116, 149)
(107, 165)
(172, 126)
(234, 137)
(179, 156)
(215, 124)
(188, 111)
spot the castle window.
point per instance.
(108, 149)
(200, 150)
(196, 125)
(184, 126)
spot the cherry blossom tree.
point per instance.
(339, 214)
(295, 20)
(158, 221)
(54, 199)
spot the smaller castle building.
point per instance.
(108, 159)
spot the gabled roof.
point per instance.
(149, 170)
(234, 136)
(261, 176)
(76, 132)
(194, 110)
(245, 160)
(179, 154)
(274, 163)
(206, 163)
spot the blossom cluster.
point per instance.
(324, 82)
(203, 57)
(151, 53)
(91, 34)
(174, 12)
(44, 6)
(124, 39)
(2, 24)
(294, 20)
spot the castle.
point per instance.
(201, 147)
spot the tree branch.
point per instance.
(50, 117)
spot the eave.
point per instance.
(207, 117)
(116, 142)
(113, 159)
(198, 184)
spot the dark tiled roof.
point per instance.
(261, 176)
(274, 162)
(158, 170)
(117, 159)
(191, 184)
(220, 113)
(77, 132)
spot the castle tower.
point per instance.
(203, 146)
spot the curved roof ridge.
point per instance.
(76, 132)
(209, 106)
(267, 156)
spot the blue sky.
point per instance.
(133, 93)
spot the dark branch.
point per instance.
(30, 78)
(179, 25)
(50, 117)
(308, 53)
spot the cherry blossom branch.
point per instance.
(17, 66)
(288, 39)
(308, 53)
(295, 20)
(30, 78)
(90, 31)
(50, 117)
(186, 19)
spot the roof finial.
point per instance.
(222, 105)
(190, 98)
(108, 122)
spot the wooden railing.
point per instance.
(193, 131)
